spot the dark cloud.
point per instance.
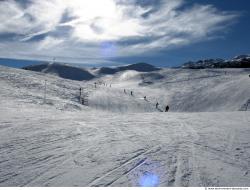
(147, 3)
(67, 17)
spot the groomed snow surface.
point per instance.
(123, 140)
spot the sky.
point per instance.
(164, 33)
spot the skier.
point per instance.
(167, 108)
(124, 91)
(156, 105)
(95, 84)
(145, 98)
(131, 93)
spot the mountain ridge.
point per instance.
(62, 70)
(68, 71)
(79, 73)
(241, 61)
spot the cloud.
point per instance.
(94, 29)
(37, 18)
(49, 43)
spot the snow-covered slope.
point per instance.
(122, 140)
(62, 70)
(183, 90)
(188, 90)
(42, 146)
(29, 87)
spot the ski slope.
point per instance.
(188, 90)
(122, 140)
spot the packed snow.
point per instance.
(47, 138)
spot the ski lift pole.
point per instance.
(45, 91)
(80, 95)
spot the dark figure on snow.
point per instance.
(80, 95)
(145, 98)
(156, 105)
(167, 108)
(124, 91)
(131, 93)
(80, 89)
(95, 84)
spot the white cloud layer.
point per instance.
(101, 29)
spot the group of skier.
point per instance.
(166, 107)
(132, 94)
(125, 92)
(145, 98)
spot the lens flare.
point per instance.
(149, 180)
(108, 49)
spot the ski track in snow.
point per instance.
(120, 139)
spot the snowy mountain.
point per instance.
(140, 67)
(79, 73)
(242, 61)
(62, 70)
(48, 138)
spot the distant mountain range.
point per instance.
(79, 73)
(242, 61)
